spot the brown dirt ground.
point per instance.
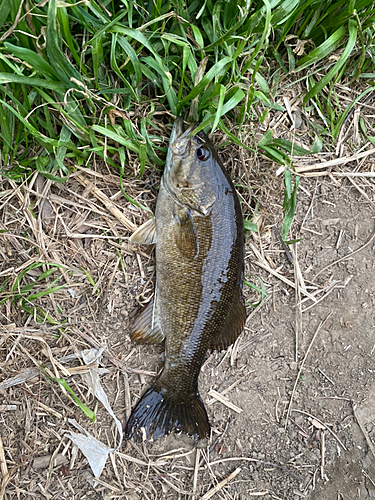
(323, 449)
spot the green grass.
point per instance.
(261, 290)
(25, 292)
(85, 409)
(65, 65)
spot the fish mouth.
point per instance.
(179, 141)
(179, 133)
(180, 138)
(178, 130)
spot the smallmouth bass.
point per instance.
(198, 305)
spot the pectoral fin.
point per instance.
(186, 235)
(146, 328)
(145, 234)
(232, 327)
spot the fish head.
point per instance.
(193, 172)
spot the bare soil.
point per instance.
(316, 442)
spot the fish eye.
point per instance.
(202, 154)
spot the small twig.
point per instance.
(360, 190)
(195, 476)
(368, 477)
(108, 203)
(363, 429)
(8, 235)
(325, 426)
(335, 397)
(298, 280)
(275, 273)
(321, 298)
(301, 368)
(332, 163)
(50, 410)
(169, 483)
(6, 475)
(310, 206)
(247, 459)
(369, 175)
(302, 431)
(127, 396)
(325, 376)
(228, 389)
(338, 242)
(220, 485)
(3, 464)
(14, 25)
(135, 460)
(214, 443)
(224, 400)
(51, 465)
(44, 461)
(140, 265)
(293, 105)
(322, 453)
(346, 256)
(4, 484)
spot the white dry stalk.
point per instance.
(332, 287)
(299, 281)
(317, 421)
(220, 485)
(108, 203)
(224, 400)
(369, 175)
(275, 273)
(322, 453)
(332, 163)
(195, 476)
(360, 190)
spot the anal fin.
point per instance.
(232, 327)
(145, 234)
(146, 328)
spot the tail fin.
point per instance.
(159, 414)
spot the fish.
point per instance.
(198, 303)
